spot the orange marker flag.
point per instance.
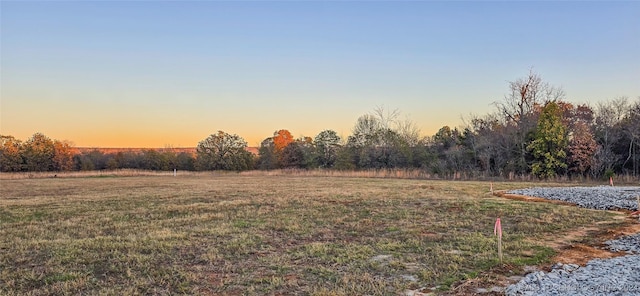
(497, 230)
(611, 181)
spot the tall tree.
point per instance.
(581, 148)
(379, 140)
(185, 161)
(62, 156)
(267, 157)
(308, 149)
(293, 156)
(365, 129)
(10, 156)
(223, 151)
(492, 144)
(449, 151)
(156, 160)
(384, 149)
(387, 119)
(550, 143)
(38, 153)
(630, 127)
(327, 145)
(446, 137)
(519, 109)
(608, 115)
(345, 158)
(581, 143)
(281, 139)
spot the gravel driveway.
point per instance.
(615, 276)
(599, 198)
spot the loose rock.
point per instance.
(599, 198)
(614, 276)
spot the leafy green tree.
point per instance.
(267, 157)
(308, 149)
(112, 163)
(446, 138)
(550, 143)
(185, 161)
(82, 163)
(223, 151)
(10, 155)
(423, 154)
(385, 149)
(293, 156)
(345, 158)
(92, 160)
(127, 160)
(155, 160)
(448, 150)
(327, 145)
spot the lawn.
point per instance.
(231, 234)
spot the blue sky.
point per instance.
(151, 73)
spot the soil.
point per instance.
(568, 251)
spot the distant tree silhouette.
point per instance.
(222, 151)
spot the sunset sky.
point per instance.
(163, 73)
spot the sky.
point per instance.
(164, 73)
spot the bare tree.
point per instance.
(520, 109)
(608, 115)
(631, 129)
(525, 95)
(386, 118)
(366, 127)
(389, 120)
(408, 131)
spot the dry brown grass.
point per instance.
(231, 234)
(105, 173)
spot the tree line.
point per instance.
(532, 131)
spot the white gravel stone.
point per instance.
(599, 198)
(614, 276)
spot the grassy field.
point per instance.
(255, 235)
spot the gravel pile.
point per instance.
(599, 198)
(629, 244)
(615, 276)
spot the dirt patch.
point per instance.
(571, 248)
(503, 193)
(580, 253)
(494, 281)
